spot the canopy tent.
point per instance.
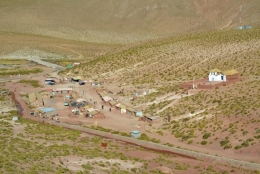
(112, 102)
(46, 110)
(91, 109)
(107, 98)
(80, 100)
(77, 78)
(69, 66)
(63, 89)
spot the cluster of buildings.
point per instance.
(125, 109)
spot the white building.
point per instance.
(216, 75)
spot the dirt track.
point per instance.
(128, 140)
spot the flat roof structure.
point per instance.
(154, 117)
(80, 100)
(91, 109)
(45, 110)
(63, 89)
(112, 102)
(130, 109)
(135, 131)
(107, 98)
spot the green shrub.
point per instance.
(87, 166)
(206, 135)
(190, 141)
(204, 142)
(34, 83)
(228, 146)
(245, 144)
(224, 142)
(144, 137)
(238, 147)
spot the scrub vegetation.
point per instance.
(29, 147)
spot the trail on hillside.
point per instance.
(79, 54)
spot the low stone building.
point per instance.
(152, 119)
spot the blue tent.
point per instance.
(69, 66)
(46, 110)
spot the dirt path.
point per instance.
(167, 97)
(148, 145)
(80, 55)
(167, 106)
(48, 64)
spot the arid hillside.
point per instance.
(124, 21)
(229, 114)
(178, 59)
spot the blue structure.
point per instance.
(46, 110)
(139, 114)
(69, 66)
(136, 94)
(244, 27)
(135, 134)
(15, 118)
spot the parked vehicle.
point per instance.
(49, 81)
(81, 83)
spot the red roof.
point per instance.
(49, 90)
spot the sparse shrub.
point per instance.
(206, 135)
(204, 142)
(238, 147)
(190, 141)
(224, 142)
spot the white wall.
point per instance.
(123, 111)
(213, 76)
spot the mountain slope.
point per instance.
(123, 21)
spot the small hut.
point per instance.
(152, 119)
(135, 134)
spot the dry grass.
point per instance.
(162, 65)
(29, 147)
(172, 61)
(122, 21)
(18, 45)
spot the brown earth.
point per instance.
(121, 21)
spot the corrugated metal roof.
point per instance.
(118, 104)
(94, 112)
(112, 102)
(91, 109)
(86, 107)
(107, 98)
(102, 94)
(135, 131)
(47, 109)
(122, 106)
(48, 90)
(80, 100)
(216, 70)
(155, 117)
(77, 78)
(63, 89)
(230, 72)
(130, 109)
